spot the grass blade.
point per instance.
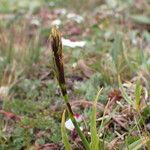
(63, 133)
(124, 94)
(138, 144)
(138, 92)
(117, 50)
(94, 136)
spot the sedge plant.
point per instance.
(56, 47)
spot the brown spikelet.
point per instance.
(56, 46)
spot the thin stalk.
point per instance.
(56, 46)
(71, 115)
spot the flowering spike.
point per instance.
(56, 46)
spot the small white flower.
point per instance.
(74, 65)
(56, 22)
(73, 44)
(69, 125)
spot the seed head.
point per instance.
(56, 46)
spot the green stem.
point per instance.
(71, 115)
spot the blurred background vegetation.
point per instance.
(117, 37)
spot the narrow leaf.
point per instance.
(117, 49)
(94, 136)
(138, 144)
(141, 19)
(124, 94)
(138, 92)
(64, 134)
